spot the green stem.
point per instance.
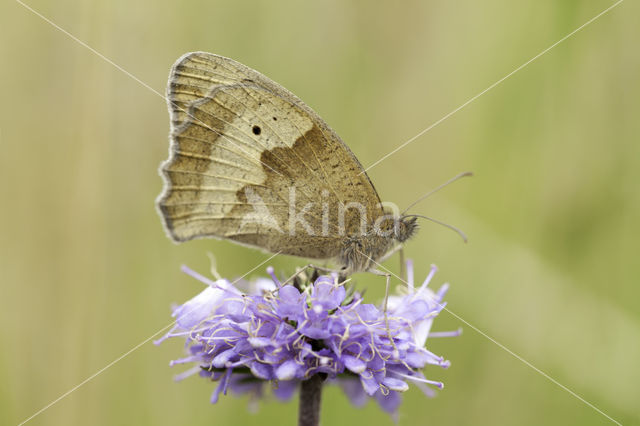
(310, 397)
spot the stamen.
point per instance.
(190, 372)
(273, 276)
(224, 383)
(409, 264)
(184, 360)
(213, 269)
(427, 280)
(166, 336)
(442, 291)
(439, 385)
(454, 333)
(220, 284)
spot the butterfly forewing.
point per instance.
(248, 159)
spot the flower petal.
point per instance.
(389, 402)
(369, 384)
(288, 370)
(285, 389)
(354, 390)
(395, 384)
(354, 364)
(198, 309)
(326, 294)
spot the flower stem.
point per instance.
(310, 397)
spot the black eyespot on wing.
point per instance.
(256, 130)
(275, 118)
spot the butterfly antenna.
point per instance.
(446, 225)
(436, 189)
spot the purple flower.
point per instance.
(283, 334)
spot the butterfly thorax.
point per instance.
(361, 253)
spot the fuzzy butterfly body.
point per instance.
(251, 163)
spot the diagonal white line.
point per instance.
(124, 355)
(94, 375)
(492, 86)
(82, 43)
(371, 166)
(503, 347)
(533, 367)
(104, 58)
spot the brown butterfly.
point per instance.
(251, 163)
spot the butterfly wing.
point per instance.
(250, 162)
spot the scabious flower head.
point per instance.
(246, 334)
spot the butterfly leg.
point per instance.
(385, 308)
(403, 267)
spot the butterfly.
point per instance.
(251, 163)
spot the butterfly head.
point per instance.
(395, 228)
(405, 228)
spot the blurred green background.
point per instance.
(551, 270)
